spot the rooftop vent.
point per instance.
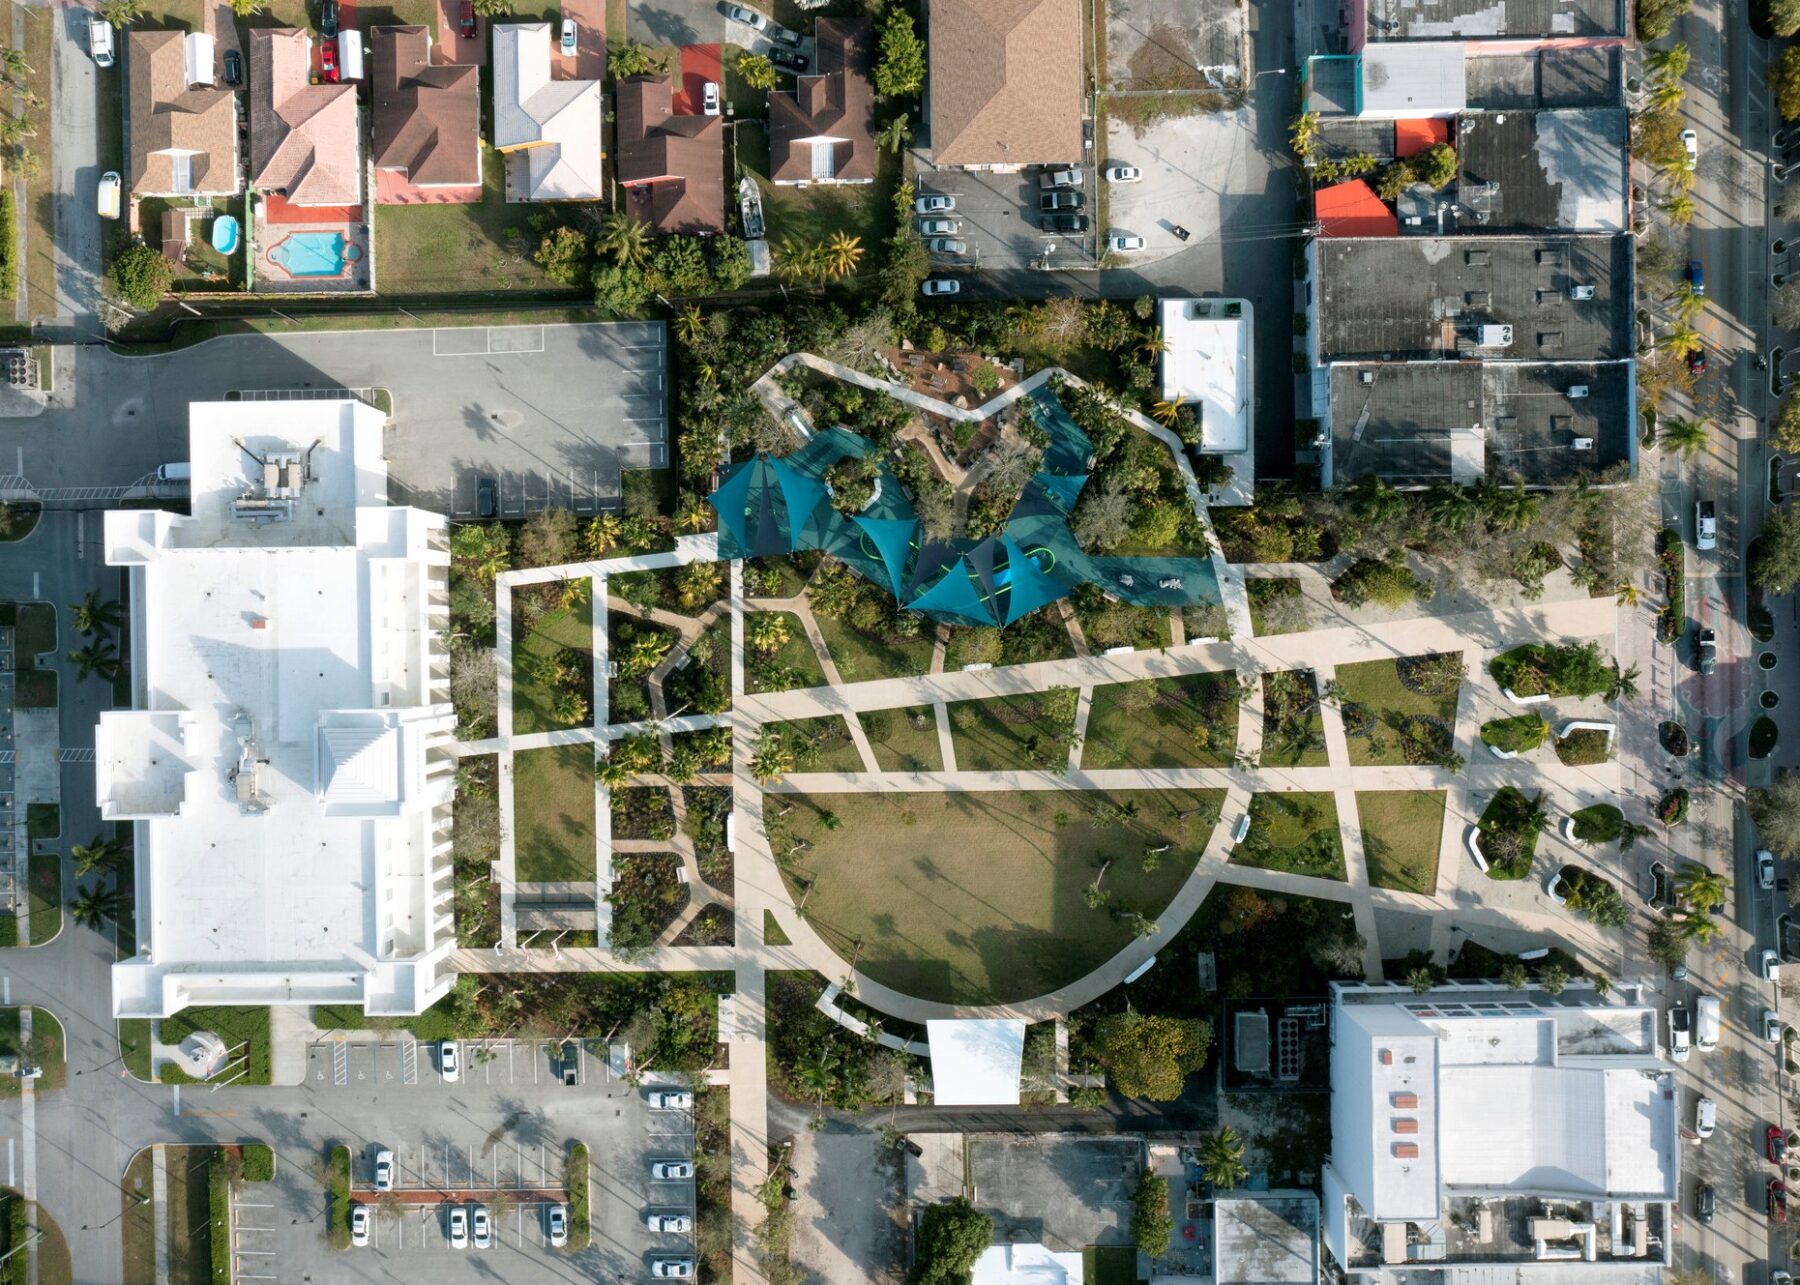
(1496, 337)
(1365, 376)
(1578, 392)
(1476, 258)
(1581, 292)
(1582, 444)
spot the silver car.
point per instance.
(939, 227)
(680, 1224)
(946, 245)
(934, 203)
(749, 17)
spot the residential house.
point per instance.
(672, 167)
(305, 139)
(183, 130)
(1005, 83)
(427, 115)
(549, 130)
(824, 131)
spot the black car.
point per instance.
(1063, 200)
(234, 68)
(485, 495)
(1703, 1203)
(1064, 222)
(1706, 651)
(788, 58)
(328, 18)
(788, 37)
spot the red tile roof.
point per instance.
(672, 167)
(427, 115)
(836, 103)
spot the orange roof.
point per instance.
(1413, 136)
(1353, 209)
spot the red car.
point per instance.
(465, 21)
(1777, 1201)
(1776, 1144)
(1696, 362)
(328, 67)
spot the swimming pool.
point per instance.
(314, 254)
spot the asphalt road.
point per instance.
(75, 162)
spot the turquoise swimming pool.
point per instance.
(314, 254)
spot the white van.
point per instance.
(1706, 1023)
(350, 54)
(181, 472)
(100, 41)
(108, 196)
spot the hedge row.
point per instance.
(337, 1182)
(259, 1162)
(9, 245)
(218, 1199)
(1674, 614)
(575, 1177)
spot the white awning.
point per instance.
(976, 1062)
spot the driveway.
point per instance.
(589, 62)
(76, 167)
(677, 22)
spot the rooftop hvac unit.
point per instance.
(1582, 444)
(1365, 376)
(1414, 221)
(1582, 293)
(1496, 337)
(1580, 390)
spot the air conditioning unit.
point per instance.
(1496, 337)
(1365, 376)
(1414, 221)
(1582, 444)
(1580, 390)
(1582, 293)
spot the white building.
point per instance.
(1206, 363)
(551, 127)
(1474, 1126)
(287, 762)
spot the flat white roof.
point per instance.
(1207, 363)
(1031, 1264)
(976, 1062)
(1413, 79)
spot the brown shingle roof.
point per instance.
(427, 117)
(1006, 82)
(837, 102)
(303, 137)
(169, 119)
(672, 167)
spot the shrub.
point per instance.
(1388, 584)
(1509, 832)
(218, 1199)
(337, 1184)
(9, 245)
(259, 1162)
(1670, 558)
(575, 1178)
(1151, 1223)
(1672, 808)
(1674, 738)
(1573, 669)
(1584, 748)
(1515, 735)
(141, 276)
(1601, 823)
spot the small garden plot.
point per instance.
(1518, 735)
(553, 814)
(707, 807)
(1592, 897)
(713, 926)
(647, 895)
(687, 591)
(1189, 721)
(1014, 733)
(1107, 624)
(1763, 735)
(553, 664)
(702, 685)
(1673, 737)
(1509, 828)
(1401, 831)
(244, 1030)
(1584, 747)
(643, 812)
(777, 655)
(904, 740)
(818, 744)
(1040, 636)
(779, 577)
(1277, 606)
(867, 634)
(1295, 832)
(1293, 732)
(1672, 808)
(1601, 823)
(1569, 670)
(1402, 710)
(708, 751)
(636, 647)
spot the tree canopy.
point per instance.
(950, 1238)
(900, 70)
(141, 275)
(1151, 1057)
(1775, 554)
(1784, 81)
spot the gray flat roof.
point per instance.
(1417, 424)
(1493, 19)
(1392, 298)
(1586, 76)
(1529, 171)
(1266, 1240)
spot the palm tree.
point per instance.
(93, 906)
(1666, 95)
(1700, 887)
(841, 254)
(1701, 928)
(1154, 345)
(1222, 1158)
(1623, 685)
(1684, 436)
(1670, 63)
(690, 324)
(771, 760)
(1373, 500)
(1451, 506)
(102, 856)
(1628, 594)
(1513, 507)
(1680, 208)
(1687, 303)
(799, 260)
(819, 1073)
(896, 134)
(625, 238)
(1168, 414)
(98, 657)
(94, 615)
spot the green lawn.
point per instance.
(1401, 830)
(47, 1037)
(35, 632)
(860, 657)
(794, 663)
(1007, 733)
(566, 636)
(189, 1208)
(1375, 686)
(904, 740)
(43, 821)
(201, 258)
(979, 898)
(553, 810)
(487, 246)
(814, 213)
(1189, 721)
(138, 1225)
(46, 897)
(244, 1030)
(134, 1046)
(1040, 636)
(820, 744)
(1296, 832)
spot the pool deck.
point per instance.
(272, 278)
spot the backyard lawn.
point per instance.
(904, 740)
(1296, 832)
(553, 807)
(980, 898)
(561, 638)
(1189, 721)
(1401, 830)
(1379, 707)
(860, 657)
(814, 213)
(1013, 733)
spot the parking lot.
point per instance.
(998, 221)
(368, 1064)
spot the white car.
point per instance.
(671, 1170)
(1765, 869)
(1768, 965)
(1771, 1025)
(1706, 1117)
(359, 1225)
(1690, 143)
(1124, 243)
(672, 1269)
(709, 98)
(1706, 526)
(559, 1225)
(671, 1100)
(482, 1228)
(568, 37)
(678, 1223)
(384, 1170)
(459, 1227)
(939, 286)
(749, 17)
(946, 245)
(1681, 1033)
(1124, 174)
(100, 41)
(448, 1063)
(939, 227)
(934, 203)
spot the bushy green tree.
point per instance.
(1784, 81)
(951, 1237)
(141, 275)
(620, 290)
(900, 68)
(1151, 1223)
(563, 255)
(1775, 554)
(756, 71)
(1149, 1056)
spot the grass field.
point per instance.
(46, 897)
(1175, 730)
(1006, 733)
(860, 657)
(567, 633)
(1401, 830)
(244, 1030)
(794, 660)
(904, 740)
(1296, 832)
(832, 750)
(190, 1223)
(553, 803)
(1376, 685)
(979, 898)
(138, 1228)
